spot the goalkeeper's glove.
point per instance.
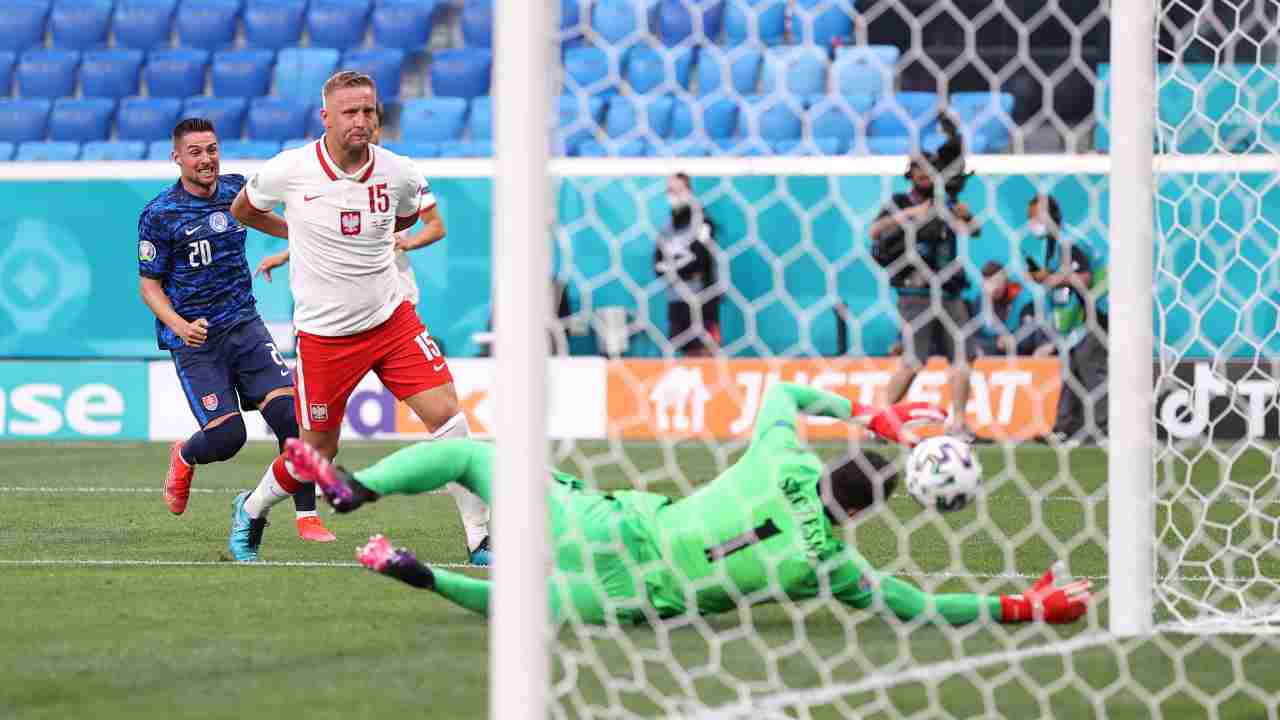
(893, 424)
(1047, 601)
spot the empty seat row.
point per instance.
(65, 151)
(213, 24)
(116, 73)
(751, 22)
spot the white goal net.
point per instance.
(794, 121)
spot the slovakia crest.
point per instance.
(218, 222)
(319, 412)
(350, 222)
(210, 401)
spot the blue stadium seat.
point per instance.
(900, 145)
(6, 151)
(110, 73)
(809, 148)
(578, 119)
(984, 117)
(918, 108)
(800, 70)
(297, 142)
(249, 149)
(480, 119)
(624, 116)
(48, 73)
(616, 21)
(7, 61)
(755, 22)
(628, 148)
(741, 64)
(679, 148)
(571, 30)
(477, 23)
(676, 22)
(160, 149)
(482, 148)
(647, 68)
(242, 73)
(23, 120)
(337, 25)
(719, 117)
(821, 22)
(592, 69)
(315, 126)
(143, 24)
(24, 22)
(207, 24)
(384, 65)
(113, 151)
(413, 149)
(437, 119)
(79, 24)
(463, 72)
(740, 147)
(59, 151)
(300, 72)
(81, 120)
(147, 118)
(176, 73)
(277, 119)
(840, 118)
(403, 25)
(274, 24)
(772, 118)
(864, 70)
(226, 114)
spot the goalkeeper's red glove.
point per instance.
(894, 423)
(1047, 601)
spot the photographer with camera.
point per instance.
(915, 239)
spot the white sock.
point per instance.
(267, 493)
(475, 514)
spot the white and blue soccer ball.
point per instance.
(943, 473)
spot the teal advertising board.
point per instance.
(74, 400)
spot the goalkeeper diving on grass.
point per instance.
(767, 529)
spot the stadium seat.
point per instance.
(482, 148)
(82, 120)
(413, 149)
(277, 119)
(403, 25)
(337, 25)
(226, 114)
(571, 31)
(297, 142)
(114, 151)
(315, 126)
(273, 24)
(7, 61)
(207, 24)
(480, 119)
(385, 66)
(676, 22)
(681, 148)
(249, 149)
(898, 115)
(176, 73)
(242, 73)
(755, 22)
(48, 73)
(437, 119)
(719, 116)
(899, 145)
(800, 70)
(809, 148)
(840, 118)
(592, 70)
(822, 22)
(79, 24)
(23, 120)
(110, 73)
(147, 118)
(624, 116)
(985, 118)
(740, 147)
(143, 24)
(864, 70)
(477, 23)
(463, 72)
(39, 151)
(628, 148)
(741, 64)
(24, 23)
(617, 21)
(772, 118)
(648, 69)
(6, 151)
(578, 118)
(160, 149)
(300, 72)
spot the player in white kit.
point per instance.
(344, 199)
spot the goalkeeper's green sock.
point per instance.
(462, 590)
(428, 466)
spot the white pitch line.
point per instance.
(141, 490)
(81, 562)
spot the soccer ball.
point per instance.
(943, 473)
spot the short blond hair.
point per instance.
(345, 79)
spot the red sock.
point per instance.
(287, 482)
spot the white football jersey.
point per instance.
(342, 268)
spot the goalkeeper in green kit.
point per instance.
(766, 529)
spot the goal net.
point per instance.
(795, 121)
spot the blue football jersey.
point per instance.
(196, 248)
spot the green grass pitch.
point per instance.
(204, 637)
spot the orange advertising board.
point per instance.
(1009, 398)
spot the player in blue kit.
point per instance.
(196, 279)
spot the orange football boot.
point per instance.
(177, 484)
(311, 528)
